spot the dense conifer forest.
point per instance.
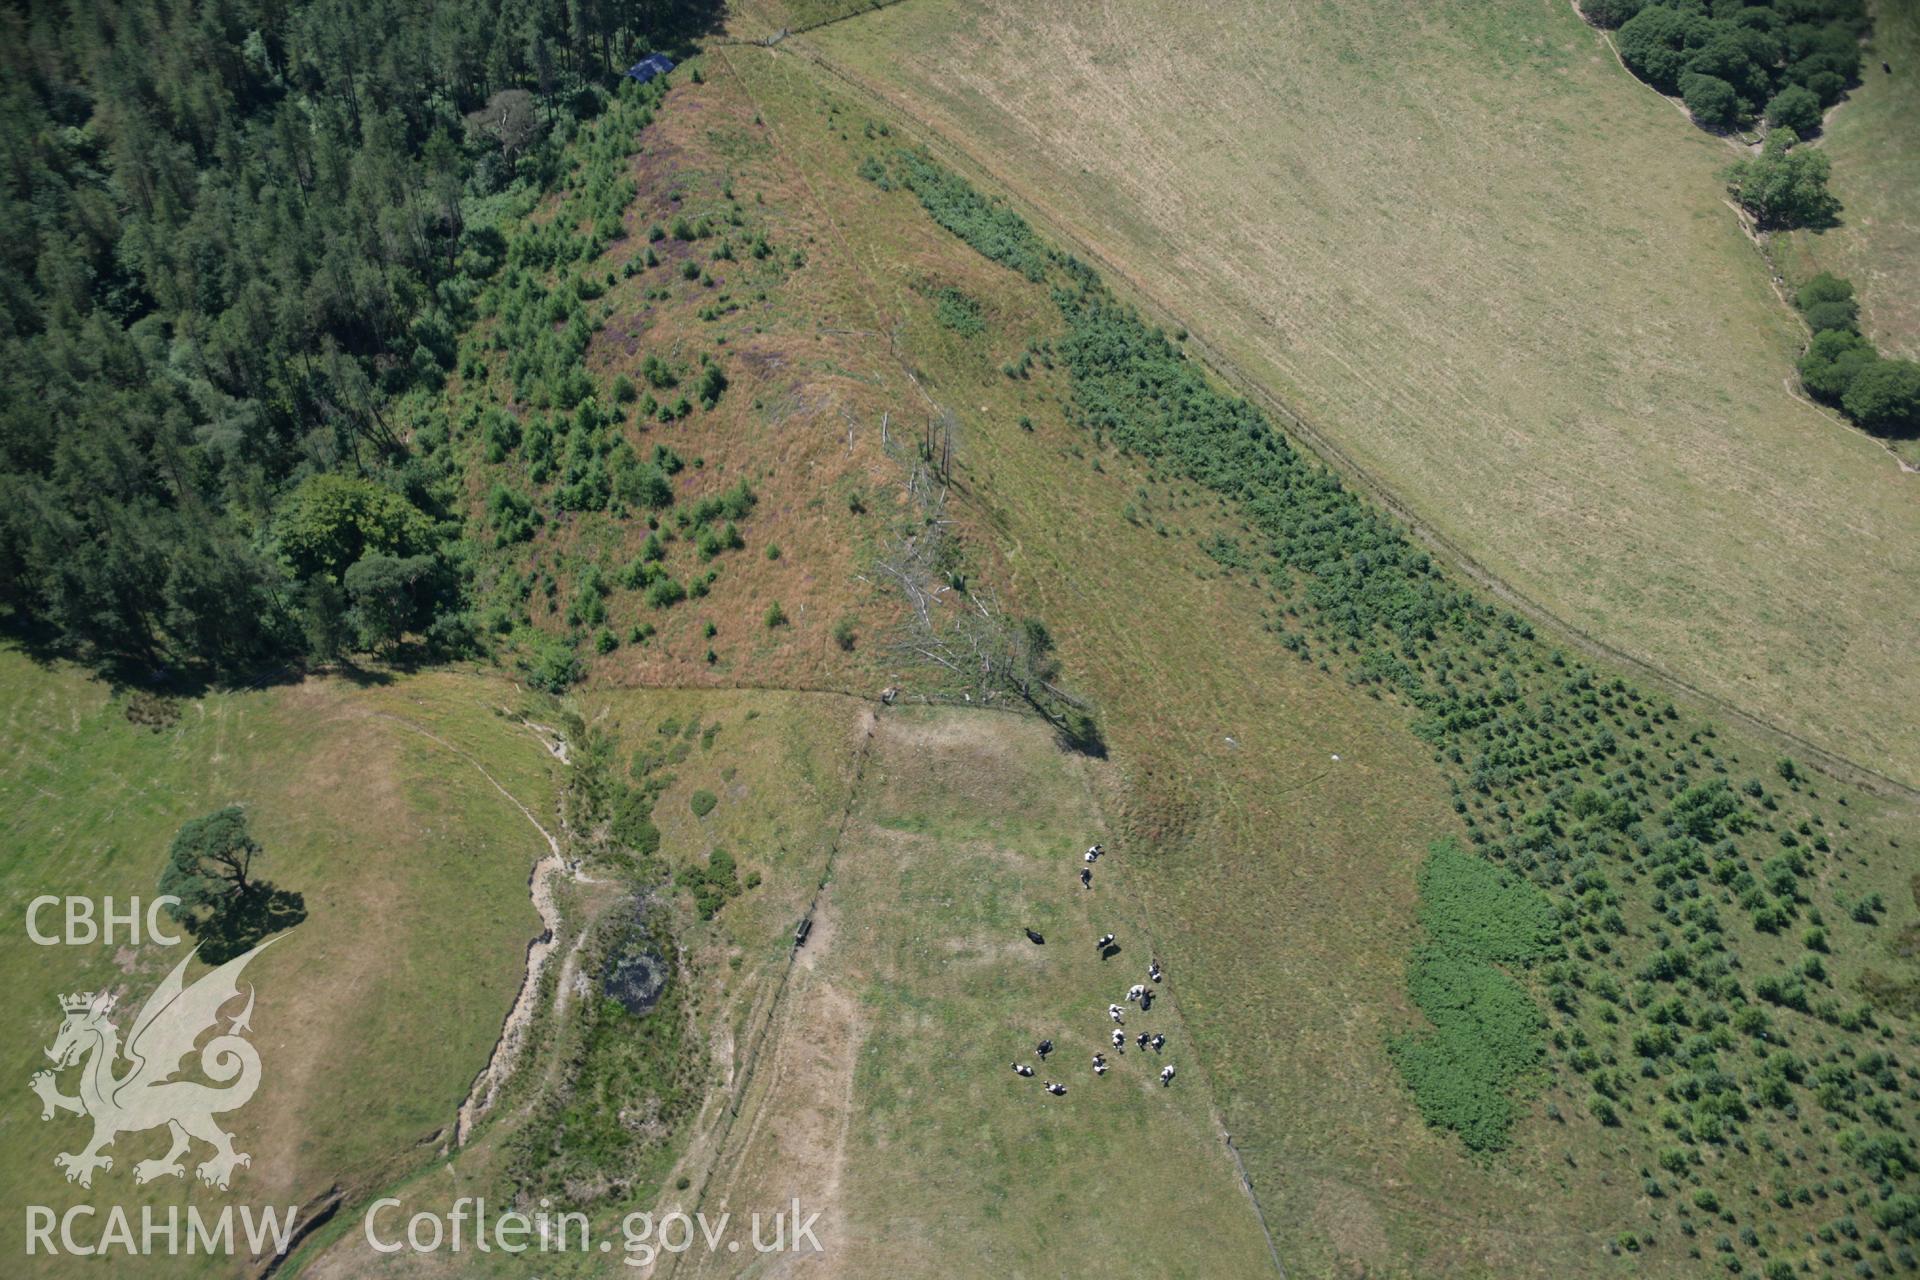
(239, 241)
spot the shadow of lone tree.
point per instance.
(222, 903)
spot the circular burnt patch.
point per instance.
(636, 981)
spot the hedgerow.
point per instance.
(995, 230)
(1842, 368)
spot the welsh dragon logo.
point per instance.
(146, 1094)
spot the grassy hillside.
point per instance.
(635, 529)
(887, 1102)
(1277, 884)
(1281, 879)
(1876, 174)
(382, 1006)
(1479, 959)
(1496, 273)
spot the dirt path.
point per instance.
(793, 1142)
(722, 1154)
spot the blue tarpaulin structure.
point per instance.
(657, 64)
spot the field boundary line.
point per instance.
(1337, 459)
(769, 41)
(1140, 920)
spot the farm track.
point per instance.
(1318, 441)
(756, 1048)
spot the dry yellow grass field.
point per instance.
(1496, 273)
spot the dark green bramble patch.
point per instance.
(959, 312)
(1487, 1030)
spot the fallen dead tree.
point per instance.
(988, 655)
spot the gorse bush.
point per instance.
(712, 885)
(1832, 361)
(547, 662)
(1611, 13)
(958, 312)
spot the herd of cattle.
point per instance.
(1140, 993)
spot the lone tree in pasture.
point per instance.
(210, 869)
(210, 861)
